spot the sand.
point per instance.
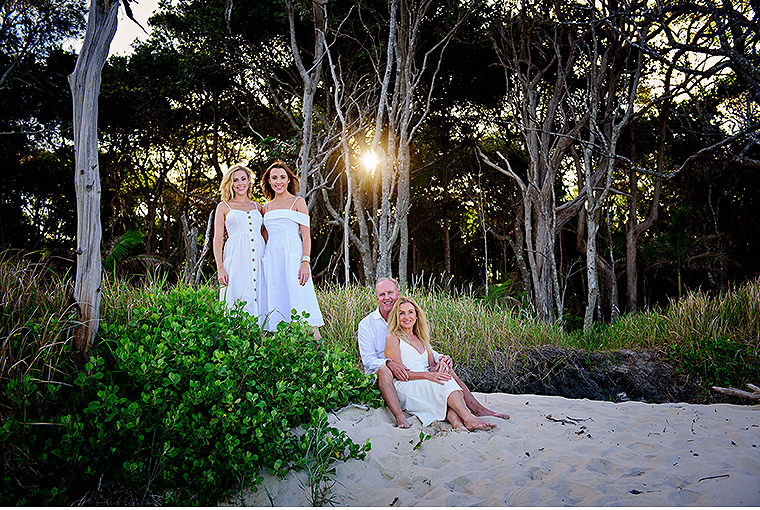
(552, 452)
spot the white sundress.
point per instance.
(281, 263)
(242, 254)
(427, 400)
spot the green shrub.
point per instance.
(719, 360)
(42, 458)
(187, 399)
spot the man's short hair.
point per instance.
(387, 279)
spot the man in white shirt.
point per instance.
(373, 330)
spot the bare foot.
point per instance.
(454, 420)
(402, 423)
(476, 424)
(484, 411)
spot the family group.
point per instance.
(265, 262)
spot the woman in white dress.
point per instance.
(430, 393)
(238, 263)
(287, 258)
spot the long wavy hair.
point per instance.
(420, 328)
(293, 186)
(225, 188)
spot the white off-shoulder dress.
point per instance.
(281, 263)
(242, 256)
(422, 398)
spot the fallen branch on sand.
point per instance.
(566, 420)
(713, 477)
(754, 395)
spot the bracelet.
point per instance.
(305, 258)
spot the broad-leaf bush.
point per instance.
(187, 398)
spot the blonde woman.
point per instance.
(238, 262)
(430, 393)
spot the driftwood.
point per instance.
(754, 395)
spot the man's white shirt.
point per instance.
(373, 331)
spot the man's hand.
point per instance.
(398, 370)
(445, 364)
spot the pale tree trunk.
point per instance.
(387, 229)
(592, 227)
(402, 210)
(206, 244)
(346, 157)
(85, 88)
(537, 99)
(482, 218)
(614, 305)
(190, 236)
(404, 116)
(610, 96)
(351, 112)
(307, 161)
(387, 157)
(446, 248)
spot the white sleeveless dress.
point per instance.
(422, 398)
(281, 263)
(242, 254)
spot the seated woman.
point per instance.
(430, 393)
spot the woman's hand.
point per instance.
(303, 273)
(224, 279)
(439, 377)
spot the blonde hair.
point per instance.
(225, 188)
(293, 186)
(420, 328)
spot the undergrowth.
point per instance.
(190, 402)
(181, 398)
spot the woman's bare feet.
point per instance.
(484, 411)
(474, 424)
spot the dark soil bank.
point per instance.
(646, 376)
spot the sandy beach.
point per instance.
(552, 452)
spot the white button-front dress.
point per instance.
(242, 256)
(281, 264)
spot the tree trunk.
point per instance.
(592, 274)
(190, 236)
(446, 249)
(386, 230)
(402, 208)
(206, 244)
(85, 88)
(311, 79)
(634, 229)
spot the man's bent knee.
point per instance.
(384, 374)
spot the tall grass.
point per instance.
(467, 328)
(475, 330)
(696, 316)
(37, 320)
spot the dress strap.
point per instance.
(228, 205)
(294, 203)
